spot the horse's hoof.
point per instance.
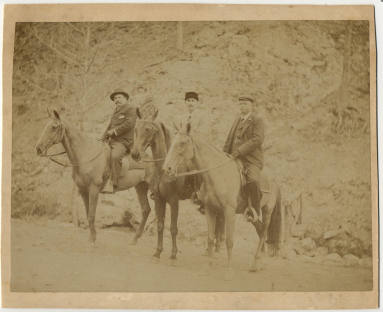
(157, 256)
(255, 267)
(205, 253)
(212, 262)
(173, 261)
(92, 239)
(155, 259)
(229, 274)
(92, 245)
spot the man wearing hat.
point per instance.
(244, 143)
(119, 133)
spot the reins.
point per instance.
(71, 165)
(193, 172)
(64, 152)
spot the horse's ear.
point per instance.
(138, 113)
(176, 127)
(155, 115)
(188, 128)
(56, 114)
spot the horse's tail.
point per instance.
(275, 229)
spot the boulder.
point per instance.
(351, 260)
(288, 253)
(308, 244)
(321, 251)
(333, 258)
(331, 234)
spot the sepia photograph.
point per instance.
(192, 156)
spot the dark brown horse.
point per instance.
(221, 186)
(89, 160)
(149, 133)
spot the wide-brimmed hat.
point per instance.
(191, 95)
(119, 91)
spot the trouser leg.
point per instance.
(242, 200)
(254, 192)
(118, 151)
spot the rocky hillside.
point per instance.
(316, 143)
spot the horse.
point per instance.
(90, 163)
(222, 183)
(149, 133)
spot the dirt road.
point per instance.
(50, 256)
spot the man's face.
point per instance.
(191, 104)
(120, 99)
(244, 107)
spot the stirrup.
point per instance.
(108, 188)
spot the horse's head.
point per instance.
(145, 132)
(181, 152)
(53, 134)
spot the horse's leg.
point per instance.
(219, 231)
(211, 218)
(160, 206)
(173, 226)
(93, 198)
(85, 198)
(142, 192)
(266, 222)
(229, 226)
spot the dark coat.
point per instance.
(250, 136)
(122, 123)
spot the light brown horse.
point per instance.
(149, 133)
(221, 186)
(89, 160)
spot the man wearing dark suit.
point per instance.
(244, 143)
(120, 135)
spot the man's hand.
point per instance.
(236, 154)
(109, 133)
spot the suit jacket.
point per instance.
(250, 136)
(122, 123)
(203, 124)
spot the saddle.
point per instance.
(264, 181)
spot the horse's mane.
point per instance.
(166, 134)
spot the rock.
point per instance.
(298, 231)
(288, 253)
(309, 259)
(308, 244)
(331, 234)
(333, 258)
(350, 260)
(366, 262)
(321, 251)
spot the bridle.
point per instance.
(49, 156)
(149, 160)
(194, 172)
